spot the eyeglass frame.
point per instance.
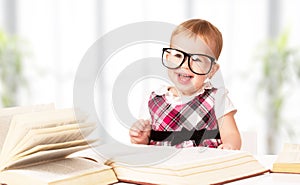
(185, 54)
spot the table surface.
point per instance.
(265, 179)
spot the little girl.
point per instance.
(184, 115)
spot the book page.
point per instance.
(288, 157)
(148, 155)
(6, 115)
(4, 126)
(65, 167)
(60, 134)
(171, 159)
(89, 153)
(42, 157)
(289, 154)
(288, 147)
(42, 139)
(132, 154)
(117, 151)
(54, 146)
(65, 171)
(10, 111)
(21, 124)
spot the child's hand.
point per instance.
(227, 147)
(140, 132)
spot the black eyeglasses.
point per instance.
(199, 64)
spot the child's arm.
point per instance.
(229, 132)
(140, 132)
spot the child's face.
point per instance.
(183, 78)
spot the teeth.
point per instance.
(184, 75)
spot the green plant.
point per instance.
(279, 63)
(11, 68)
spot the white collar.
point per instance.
(164, 90)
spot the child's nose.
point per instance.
(185, 64)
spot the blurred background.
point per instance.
(43, 41)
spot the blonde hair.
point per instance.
(208, 32)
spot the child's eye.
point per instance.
(178, 56)
(196, 58)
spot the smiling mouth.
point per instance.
(184, 78)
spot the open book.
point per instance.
(49, 147)
(37, 141)
(144, 164)
(288, 160)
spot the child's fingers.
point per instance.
(137, 128)
(147, 125)
(142, 125)
(221, 146)
(134, 140)
(139, 140)
(225, 146)
(134, 133)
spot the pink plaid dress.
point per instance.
(195, 115)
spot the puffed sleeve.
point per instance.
(223, 103)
